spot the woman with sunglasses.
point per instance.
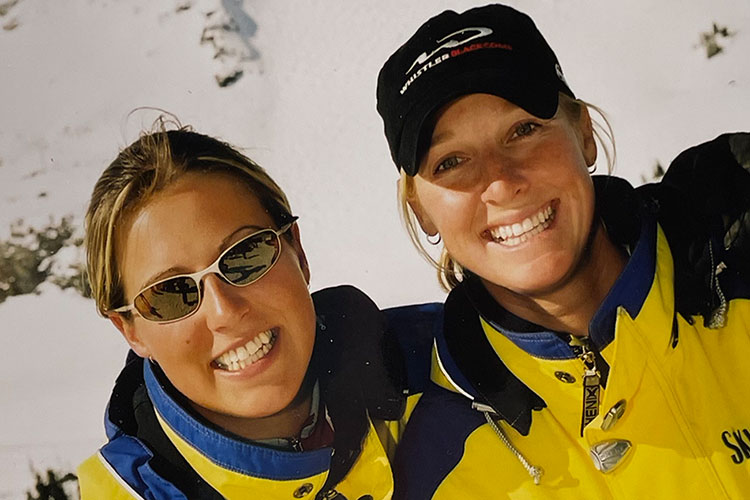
(241, 385)
(596, 336)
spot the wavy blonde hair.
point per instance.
(450, 273)
(147, 166)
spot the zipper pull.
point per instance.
(483, 408)
(591, 387)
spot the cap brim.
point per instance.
(538, 98)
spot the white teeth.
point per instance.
(252, 351)
(517, 233)
(242, 353)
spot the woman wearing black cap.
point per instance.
(596, 336)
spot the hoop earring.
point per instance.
(434, 241)
(592, 168)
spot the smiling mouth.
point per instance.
(253, 351)
(519, 232)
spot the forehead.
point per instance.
(184, 225)
(192, 201)
(468, 105)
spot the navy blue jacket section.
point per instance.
(415, 327)
(437, 430)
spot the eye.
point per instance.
(525, 129)
(448, 163)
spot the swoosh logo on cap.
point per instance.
(453, 40)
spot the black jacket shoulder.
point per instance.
(703, 205)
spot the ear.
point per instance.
(588, 142)
(424, 220)
(297, 245)
(127, 329)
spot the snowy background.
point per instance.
(298, 97)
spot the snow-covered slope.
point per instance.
(304, 107)
(59, 361)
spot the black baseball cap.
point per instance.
(493, 49)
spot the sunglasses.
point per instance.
(242, 264)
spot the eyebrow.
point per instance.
(441, 137)
(176, 270)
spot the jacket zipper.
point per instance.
(719, 315)
(591, 382)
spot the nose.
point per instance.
(224, 305)
(503, 180)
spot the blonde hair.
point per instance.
(150, 164)
(450, 273)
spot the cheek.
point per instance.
(450, 211)
(181, 340)
(581, 209)
(287, 290)
(581, 188)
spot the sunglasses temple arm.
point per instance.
(123, 309)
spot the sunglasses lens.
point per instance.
(168, 300)
(250, 258)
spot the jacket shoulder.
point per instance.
(355, 355)
(414, 328)
(96, 481)
(388, 350)
(703, 205)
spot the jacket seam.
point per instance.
(120, 480)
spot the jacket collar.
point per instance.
(482, 375)
(231, 451)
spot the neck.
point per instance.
(570, 305)
(284, 424)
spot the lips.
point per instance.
(251, 352)
(514, 234)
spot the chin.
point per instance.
(531, 285)
(269, 404)
(252, 408)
